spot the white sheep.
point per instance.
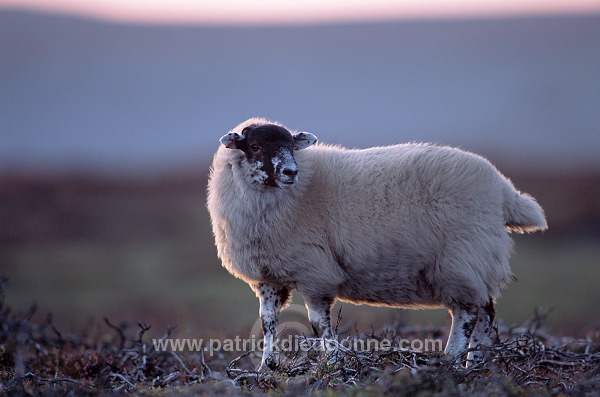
(410, 226)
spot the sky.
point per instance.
(250, 12)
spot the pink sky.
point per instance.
(299, 11)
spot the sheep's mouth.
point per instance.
(286, 180)
(279, 183)
(284, 184)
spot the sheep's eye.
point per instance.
(254, 147)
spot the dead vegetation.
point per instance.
(37, 358)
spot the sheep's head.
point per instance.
(269, 152)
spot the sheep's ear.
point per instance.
(302, 140)
(232, 140)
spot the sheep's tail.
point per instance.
(523, 214)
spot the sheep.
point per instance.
(410, 226)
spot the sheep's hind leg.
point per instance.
(271, 299)
(463, 324)
(319, 315)
(482, 334)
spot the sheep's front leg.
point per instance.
(463, 323)
(271, 298)
(319, 315)
(482, 334)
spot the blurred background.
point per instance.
(110, 114)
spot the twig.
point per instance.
(143, 328)
(204, 365)
(124, 379)
(119, 332)
(185, 368)
(555, 362)
(31, 375)
(233, 363)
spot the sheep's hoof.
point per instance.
(270, 363)
(477, 357)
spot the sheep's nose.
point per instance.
(291, 172)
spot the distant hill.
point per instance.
(84, 94)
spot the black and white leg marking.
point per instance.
(319, 315)
(463, 324)
(271, 298)
(482, 334)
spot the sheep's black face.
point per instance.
(269, 153)
(270, 150)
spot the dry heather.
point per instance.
(36, 359)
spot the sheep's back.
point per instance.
(413, 207)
